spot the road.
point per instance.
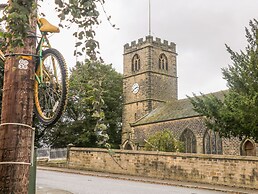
(83, 184)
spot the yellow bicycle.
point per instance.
(51, 77)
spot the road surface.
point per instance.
(83, 184)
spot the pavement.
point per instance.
(45, 190)
(226, 189)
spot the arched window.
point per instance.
(189, 140)
(212, 143)
(136, 63)
(163, 62)
(248, 148)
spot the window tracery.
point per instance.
(189, 140)
(212, 142)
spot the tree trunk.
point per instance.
(17, 107)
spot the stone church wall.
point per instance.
(195, 124)
(235, 171)
(163, 87)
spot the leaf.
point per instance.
(78, 44)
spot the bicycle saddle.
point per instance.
(47, 27)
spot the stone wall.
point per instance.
(237, 171)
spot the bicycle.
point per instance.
(51, 77)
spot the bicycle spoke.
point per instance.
(51, 94)
(56, 93)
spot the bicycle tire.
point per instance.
(52, 84)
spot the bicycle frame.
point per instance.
(42, 43)
(51, 77)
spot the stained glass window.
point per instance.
(189, 140)
(207, 143)
(212, 142)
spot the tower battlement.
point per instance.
(149, 40)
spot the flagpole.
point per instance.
(149, 17)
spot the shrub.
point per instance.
(163, 141)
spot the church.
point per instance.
(151, 104)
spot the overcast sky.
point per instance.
(200, 29)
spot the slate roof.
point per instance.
(173, 110)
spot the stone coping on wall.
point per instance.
(173, 154)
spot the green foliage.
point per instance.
(163, 141)
(94, 108)
(236, 115)
(85, 15)
(18, 16)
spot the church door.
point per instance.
(248, 148)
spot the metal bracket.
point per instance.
(31, 163)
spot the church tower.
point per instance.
(150, 78)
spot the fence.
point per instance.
(52, 154)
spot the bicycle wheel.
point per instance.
(51, 95)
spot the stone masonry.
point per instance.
(195, 124)
(151, 103)
(235, 171)
(156, 85)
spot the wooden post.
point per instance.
(17, 109)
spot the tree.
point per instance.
(79, 121)
(20, 38)
(236, 114)
(82, 13)
(163, 141)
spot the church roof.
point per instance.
(173, 110)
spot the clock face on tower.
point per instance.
(135, 88)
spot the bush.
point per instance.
(163, 141)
